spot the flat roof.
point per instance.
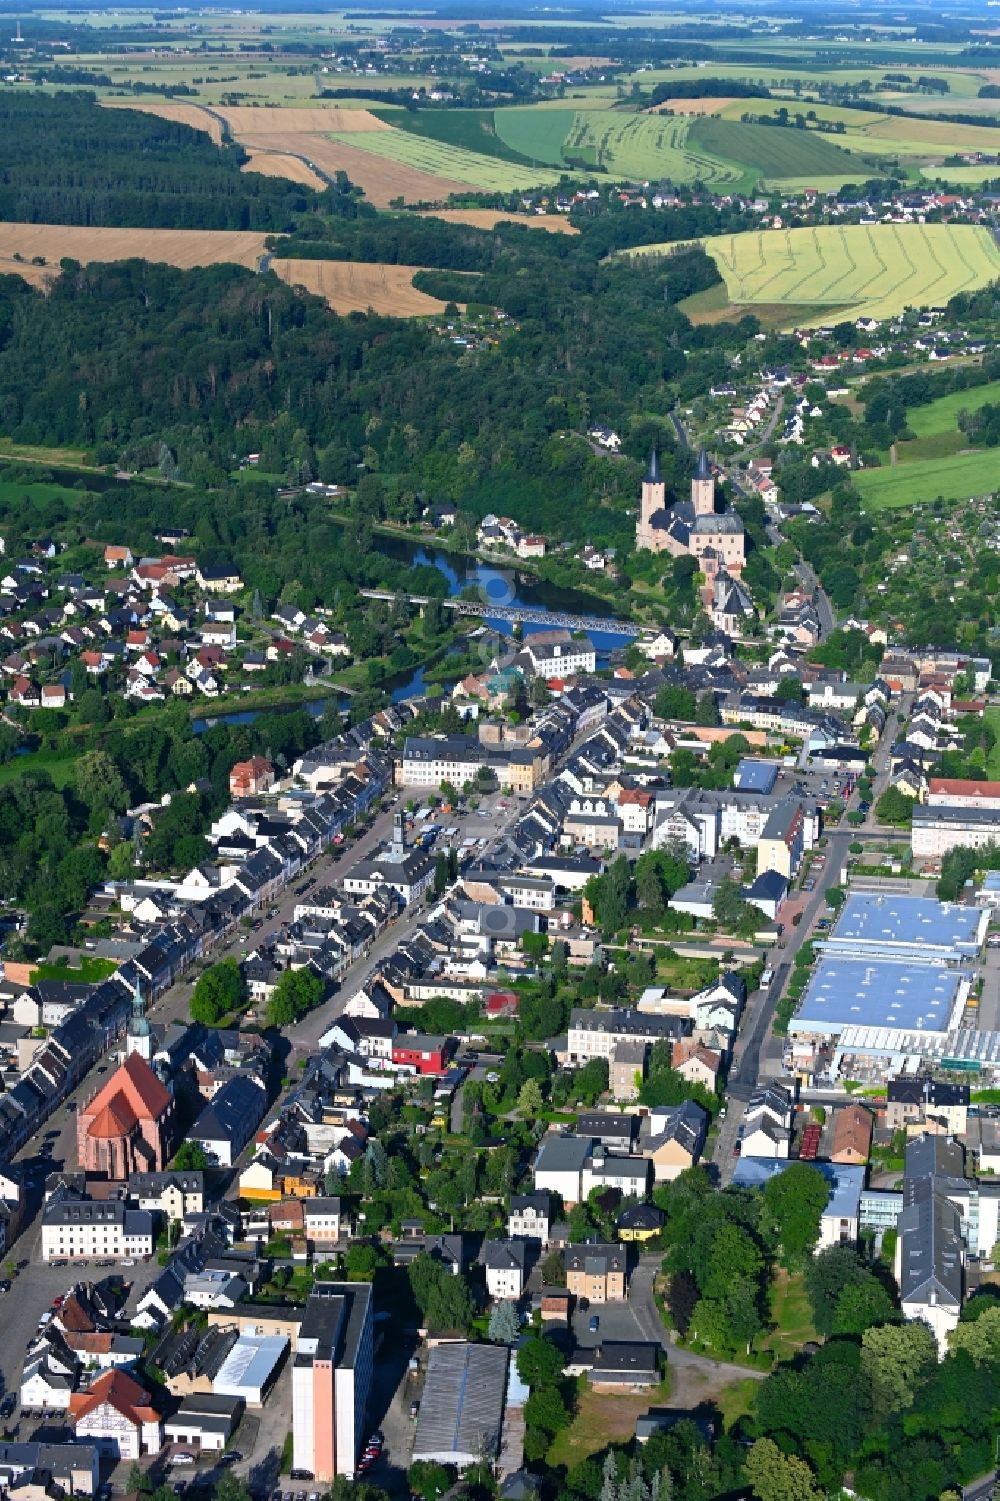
(250, 1364)
(884, 920)
(898, 995)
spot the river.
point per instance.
(501, 586)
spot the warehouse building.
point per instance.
(462, 1407)
(251, 1368)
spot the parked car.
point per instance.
(183, 1458)
(593, 1323)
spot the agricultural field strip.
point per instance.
(356, 286)
(452, 162)
(382, 179)
(244, 119)
(852, 266)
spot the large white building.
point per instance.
(75, 1228)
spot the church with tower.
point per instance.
(716, 539)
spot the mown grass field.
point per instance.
(955, 477)
(470, 129)
(941, 416)
(643, 147)
(455, 163)
(869, 269)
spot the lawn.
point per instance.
(602, 1418)
(869, 269)
(88, 971)
(58, 764)
(941, 416)
(958, 477)
(791, 1314)
(992, 717)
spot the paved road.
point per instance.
(694, 1377)
(982, 1490)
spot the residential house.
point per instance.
(597, 1271)
(529, 1217)
(117, 1415)
(505, 1263)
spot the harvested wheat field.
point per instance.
(247, 118)
(177, 247)
(692, 106)
(488, 218)
(181, 114)
(381, 178)
(281, 164)
(353, 287)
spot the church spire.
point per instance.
(704, 468)
(652, 475)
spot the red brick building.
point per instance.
(129, 1125)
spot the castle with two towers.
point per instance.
(716, 539)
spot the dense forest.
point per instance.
(126, 360)
(64, 160)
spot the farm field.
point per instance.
(451, 163)
(537, 134)
(646, 146)
(872, 270)
(382, 179)
(244, 120)
(280, 164)
(694, 106)
(770, 151)
(869, 131)
(469, 129)
(955, 477)
(351, 286)
(489, 218)
(181, 114)
(177, 247)
(941, 416)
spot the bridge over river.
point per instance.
(516, 614)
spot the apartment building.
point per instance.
(938, 829)
(782, 840)
(75, 1228)
(596, 1034)
(597, 1272)
(331, 1379)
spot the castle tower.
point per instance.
(703, 487)
(652, 499)
(654, 491)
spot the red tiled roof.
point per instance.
(963, 787)
(119, 1391)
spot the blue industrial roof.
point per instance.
(755, 776)
(845, 1181)
(877, 921)
(875, 992)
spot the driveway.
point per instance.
(693, 1378)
